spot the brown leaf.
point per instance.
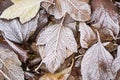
(10, 65)
(62, 75)
(118, 76)
(42, 22)
(22, 54)
(87, 36)
(77, 9)
(97, 63)
(106, 15)
(4, 4)
(116, 62)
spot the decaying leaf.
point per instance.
(4, 4)
(97, 63)
(116, 62)
(118, 75)
(24, 9)
(10, 65)
(42, 22)
(62, 75)
(22, 54)
(87, 36)
(77, 9)
(53, 44)
(17, 32)
(106, 15)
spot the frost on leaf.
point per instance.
(105, 15)
(24, 9)
(87, 36)
(10, 65)
(96, 63)
(53, 44)
(17, 32)
(77, 9)
(116, 62)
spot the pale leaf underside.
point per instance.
(106, 15)
(55, 41)
(77, 9)
(17, 32)
(96, 63)
(116, 62)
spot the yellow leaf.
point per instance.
(24, 9)
(15, 1)
(62, 75)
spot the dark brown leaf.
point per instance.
(4, 4)
(105, 16)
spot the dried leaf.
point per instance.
(15, 1)
(116, 62)
(24, 9)
(77, 9)
(17, 32)
(87, 36)
(105, 14)
(53, 44)
(4, 4)
(118, 75)
(22, 54)
(97, 63)
(62, 75)
(42, 22)
(10, 65)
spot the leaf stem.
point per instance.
(4, 75)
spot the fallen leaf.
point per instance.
(4, 4)
(15, 1)
(10, 65)
(106, 15)
(24, 9)
(22, 54)
(42, 22)
(97, 63)
(87, 36)
(53, 44)
(62, 75)
(77, 9)
(17, 32)
(116, 62)
(118, 75)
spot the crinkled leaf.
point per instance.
(10, 65)
(97, 63)
(77, 9)
(62, 75)
(87, 36)
(55, 41)
(116, 62)
(22, 54)
(105, 14)
(17, 32)
(24, 9)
